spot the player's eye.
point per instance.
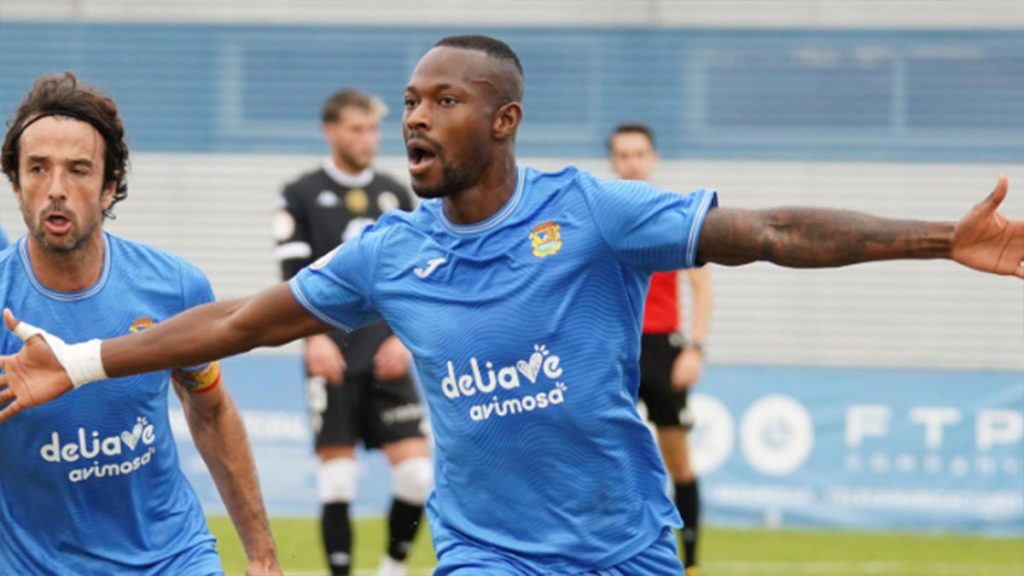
(410, 103)
(447, 101)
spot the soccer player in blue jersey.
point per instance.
(519, 294)
(90, 484)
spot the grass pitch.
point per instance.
(724, 552)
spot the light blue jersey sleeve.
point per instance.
(3, 238)
(195, 287)
(338, 288)
(195, 291)
(648, 228)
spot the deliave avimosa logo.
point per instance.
(115, 455)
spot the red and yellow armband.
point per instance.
(199, 379)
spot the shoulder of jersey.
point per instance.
(554, 179)
(386, 179)
(10, 266)
(310, 183)
(9, 252)
(139, 256)
(541, 187)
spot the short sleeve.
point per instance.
(648, 228)
(196, 291)
(338, 287)
(195, 287)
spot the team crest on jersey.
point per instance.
(546, 239)
(357, 201)
(141, 323)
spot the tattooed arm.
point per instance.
(818, 237)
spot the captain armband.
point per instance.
(199, 379)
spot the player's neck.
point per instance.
(68, 271)
(346, 168)
(484, 199)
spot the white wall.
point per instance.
(215, 210)
(639, 13)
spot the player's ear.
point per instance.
(15, 185)
(16, 188)
(107, 196)
(506, 120)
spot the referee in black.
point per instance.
(359, 384)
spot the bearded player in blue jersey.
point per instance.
(90, 484)
(519, 294)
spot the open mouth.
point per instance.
(57, 223)
(421, 156)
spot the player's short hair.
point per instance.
(633, 128)
(62, 95)
(494, 48)
(350, 98)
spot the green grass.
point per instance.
(299, 548)
(725, 552)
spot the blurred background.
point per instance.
(883, 397)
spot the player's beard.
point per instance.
(455, 176)
(68, 243)
(453, 179)
(352, 161)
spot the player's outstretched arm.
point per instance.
(201, 334)
(984, 239)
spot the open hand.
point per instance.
(986, 240)
(687, 368)
(323, 358)
(31, 377)
(267, 567)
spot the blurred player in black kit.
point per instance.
(359, 383)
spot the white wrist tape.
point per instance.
(82, 362)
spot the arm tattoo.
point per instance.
(817, 237)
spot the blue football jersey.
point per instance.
(90, 483)
(525, 329)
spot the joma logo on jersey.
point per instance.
(88, 446)
(546, 239)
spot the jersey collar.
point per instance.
(360, 180)
(57, 294)
(495, 219)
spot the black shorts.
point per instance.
(366, 409)
(664, 404)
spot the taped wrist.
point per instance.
(82, 362)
